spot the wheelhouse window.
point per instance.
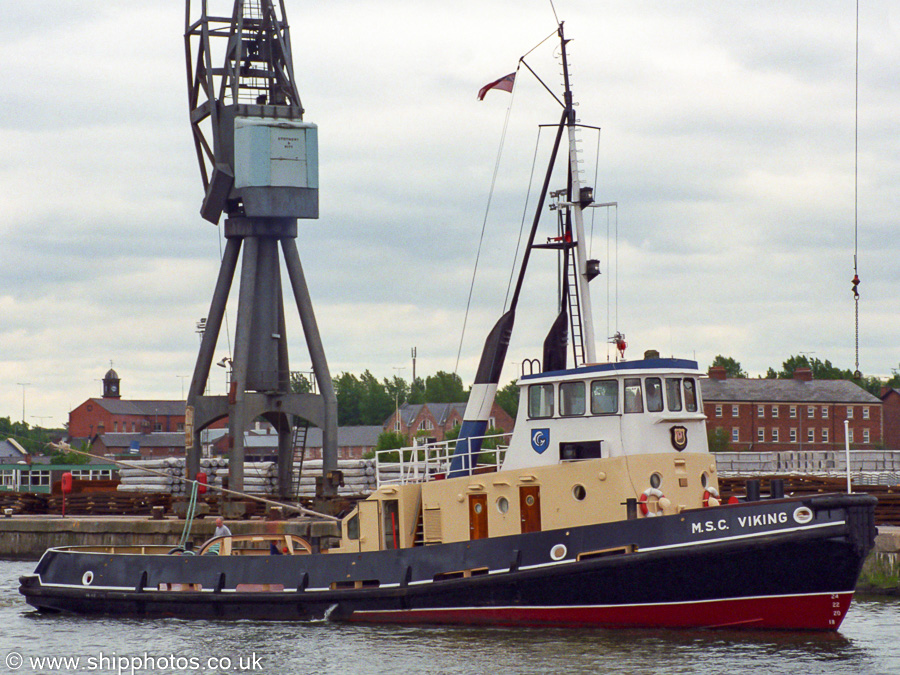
(653, 386)
(673, 393)
(540, 400)
(691, 402)
(604, 397)
(634, 401)
(571, 398)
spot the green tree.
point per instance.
(391, 440)
(444, 387)
(508, 398)
(718, 440)
(732, 368)
(300, 383)
(417, 392)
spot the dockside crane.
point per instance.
(258, 162)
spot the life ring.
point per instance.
(711, 492)
(643, 501)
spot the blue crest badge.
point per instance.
(540, 439)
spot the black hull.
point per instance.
(705, 568)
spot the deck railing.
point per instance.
(431, 461)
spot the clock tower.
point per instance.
(111, 385)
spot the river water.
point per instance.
(868, 643)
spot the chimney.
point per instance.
(717, 373)
(803, 375)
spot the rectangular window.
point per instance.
(718, 411)
(824, 412)
(157, 426)
(850, 435)
(865, 435)
(634, 402)
(604, 397)
(849, 412)
(132, 427)
(571, 398)
(775, 411)
(793, 412)
(691, 402)
(760, 411)
(116, 427)
(775, 435)
(761, 434)
(540, 400)
(824, 434)
(793, 435)
(810, 435)
(811, 412)
(865, 413)
(735, 411)
(673, 393)
(653, 387)
(735, 434)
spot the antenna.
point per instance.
(856, 372)
(258, 163)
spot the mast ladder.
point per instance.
(574, 308)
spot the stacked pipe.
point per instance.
(260, 478)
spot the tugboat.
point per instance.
(602, 510)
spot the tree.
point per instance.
(718, 440)
(417, 392)
(391, 440)
(732, 368)
(300, 383)
(444, 387)
(508, 398)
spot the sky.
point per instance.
(728, 143)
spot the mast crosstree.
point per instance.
(258, 162)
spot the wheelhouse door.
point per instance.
(478, 523)
(530, 507)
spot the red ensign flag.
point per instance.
(505, 83)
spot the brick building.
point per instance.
(890, 407)
(113, 415)
(797, 414)
(432, 421)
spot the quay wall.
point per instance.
(27, 537)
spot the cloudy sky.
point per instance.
(727, 141)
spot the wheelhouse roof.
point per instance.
(664, 366)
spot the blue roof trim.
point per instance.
(644, 364)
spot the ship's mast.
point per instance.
(579, 197)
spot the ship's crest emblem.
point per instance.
(540, 439)
(679, 437)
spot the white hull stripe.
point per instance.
(504, 570)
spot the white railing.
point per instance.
(431, 461)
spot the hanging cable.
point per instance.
(856, 199)
(487, 209)
(512, 269)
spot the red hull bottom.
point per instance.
(821, 611)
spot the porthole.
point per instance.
(529, 500)
(803, 515)
(704, 479)
(478, 508)
(502, 504)
(558, 552)
(87, 578)
(579, 492)
(655, 480)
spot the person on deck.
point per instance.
(221, 529)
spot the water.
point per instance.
(868, 643)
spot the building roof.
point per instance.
(117, 406)
(11, 450)
(757, 390)
(440, 411)
(155, 440)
